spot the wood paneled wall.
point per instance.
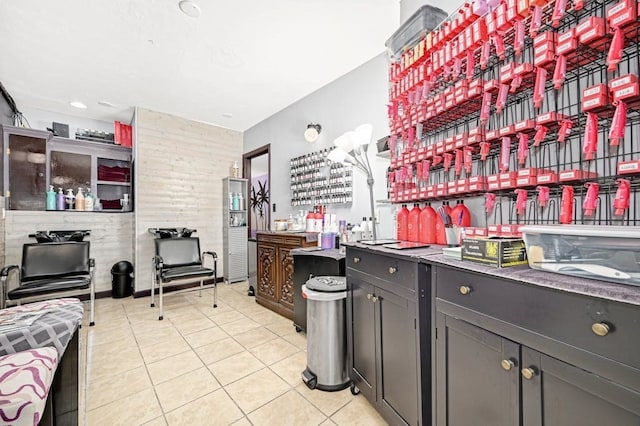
(179, 166)
(111, 235)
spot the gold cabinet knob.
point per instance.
(528, 373)
(374, 299)
(392, 270)
(600, 329)
(507, 364)
(356, 260)
(369, 296)
(465, 289)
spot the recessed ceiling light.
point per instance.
(189, 8)
(227, 115)
(106, 104)
(78, 104)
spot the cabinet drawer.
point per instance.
(270, 238)
(387, 268)
(603, 327)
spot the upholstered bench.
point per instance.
(25, 380)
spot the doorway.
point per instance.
(256, 168)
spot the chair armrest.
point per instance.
(210, 253)
(92, 263)
(5, 271)
(158, 262)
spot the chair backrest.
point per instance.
(54, 260)
(179, 251)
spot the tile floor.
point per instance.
(237, 364)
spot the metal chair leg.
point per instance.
(215, 283)
(154, 276)
(92, 321)
(160, 288)
(201, 285)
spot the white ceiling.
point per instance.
(248, 58)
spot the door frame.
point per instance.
(246, 174)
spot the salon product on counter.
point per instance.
(427, 227)
(402, 223)
(51, 198)
(499, 252)
(413, 223)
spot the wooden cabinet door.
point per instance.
(267, 264)
(361, 336)
(285, 295)
(397, 384)
(477, 376)
(555, 393)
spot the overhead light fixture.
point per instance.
(78, 104)
(189, 8)
(106, 104)
(312, 132)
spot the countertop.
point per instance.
(318, 252)
(310, 236)
(595, 288)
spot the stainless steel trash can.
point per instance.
(326, 334)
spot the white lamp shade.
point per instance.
(344, 142)
(337, 155)
(363, 134)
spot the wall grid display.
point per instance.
(533, 105)
(315, 179)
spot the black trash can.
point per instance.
(121, 279)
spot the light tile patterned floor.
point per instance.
(237, 364)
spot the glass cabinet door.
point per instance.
(27, 161)
(70, 171)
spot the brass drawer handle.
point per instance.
(507, 364)
(465, 289)
(374, 299)
(600, 329)
(369, 296)
(356, 260)
(392, 270)
(528, 373)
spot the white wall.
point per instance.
(355, 98)
(41, 119)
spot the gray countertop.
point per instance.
(602, 289)
(318, 252)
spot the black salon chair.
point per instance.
(180, 259)
(49, 268)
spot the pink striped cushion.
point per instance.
(25, 379)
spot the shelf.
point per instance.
(237, 211)
(112, 183)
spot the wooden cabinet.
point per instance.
(388, 334)
(508, 353)
(275, 270)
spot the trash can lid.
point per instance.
(327, 284)
(123, 267)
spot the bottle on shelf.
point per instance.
(88, 201)
(79, 200)
(60, 200)
(69, 199)
(51, 198)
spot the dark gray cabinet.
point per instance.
(388, 333)
(508, 353)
